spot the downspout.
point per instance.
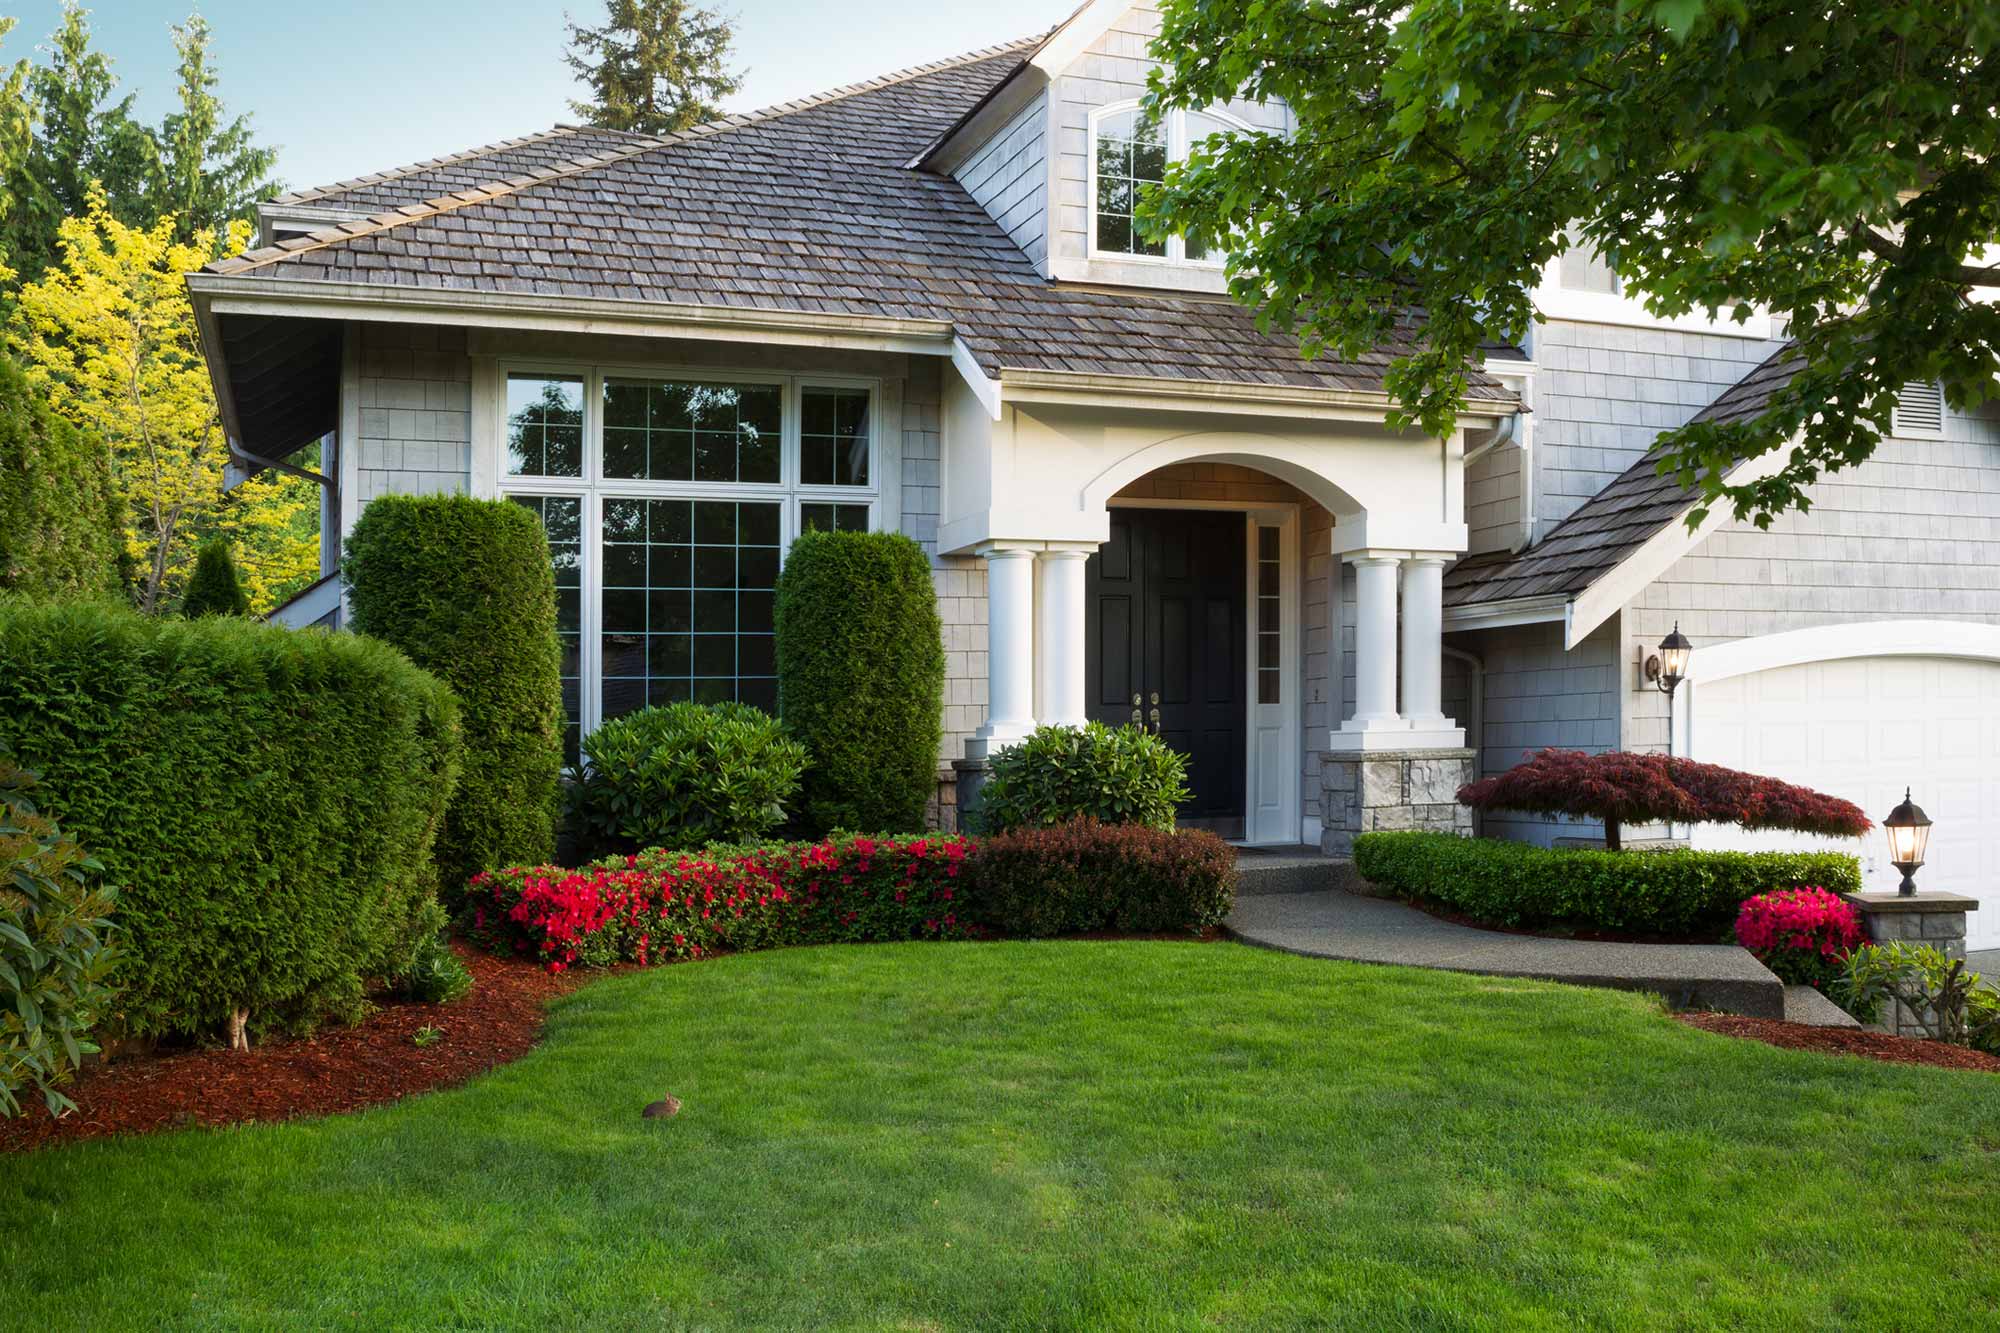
(1475, 728)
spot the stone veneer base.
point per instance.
(1928, 916)
(1383, 790)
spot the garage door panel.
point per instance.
(1863, 728)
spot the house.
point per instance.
(918, 304)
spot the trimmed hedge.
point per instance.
(861, 677)
(1118, 775)
(1084, 875)
(662, 906)
(264, 799)
(62, 519)
(464, 587)
(684, 775)
(1684, 894)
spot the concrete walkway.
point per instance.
(1334, 924)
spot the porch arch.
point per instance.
(1293, 462)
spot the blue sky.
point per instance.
(364, 85)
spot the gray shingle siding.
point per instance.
(1604, 392)
(415, 392)
(1537, 695)
(1911, 534)
(1010, 179)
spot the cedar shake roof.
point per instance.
(805, 207)
(1615, 522)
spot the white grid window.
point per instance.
(1130, 150)
(669, 499)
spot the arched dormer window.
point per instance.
(1130, 150)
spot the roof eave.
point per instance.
(1169, 394)
(273, 296)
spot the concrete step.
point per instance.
(1378, 930)
(1267, 870)
(1805, 1005)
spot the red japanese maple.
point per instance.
(1620, 788)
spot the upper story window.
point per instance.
(1130, 150)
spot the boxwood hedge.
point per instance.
(861, 678)
(1683, 894)
(464, 587)
(264, 800)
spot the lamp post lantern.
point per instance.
(1909, 830)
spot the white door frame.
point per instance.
(1285, 517)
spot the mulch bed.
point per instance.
(339, 1069)
(1845, 1041)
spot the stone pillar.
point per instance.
(1010, 650)
(1059, 635)
(1928, 916)
(1369, 790)
(1374, 644)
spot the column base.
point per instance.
(1928, 916)
(992, 738)
(1379, 790)
(1399, 735)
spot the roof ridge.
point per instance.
(319, 192)
(566, 167)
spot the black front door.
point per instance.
(1166, 636)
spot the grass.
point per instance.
(1135, 1135)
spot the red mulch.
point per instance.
(1845, 1041)
(339, 1069)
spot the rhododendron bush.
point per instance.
(1619, 787)
(1803, 935)
(661, 906)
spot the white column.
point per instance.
(1059, 635)
(1010, 650)
(1423, 641)
(1374, 644)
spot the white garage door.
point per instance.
(1864, 728)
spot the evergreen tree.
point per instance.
(208, 169)
(81, 136)
(17, 135)
(62, 519)
(656, 66)
(216, 589)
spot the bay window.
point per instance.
(669, 500)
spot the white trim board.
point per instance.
(1862, 638)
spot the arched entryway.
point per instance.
(1195, 629)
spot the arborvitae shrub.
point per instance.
(62, 520)
(216, 587)
(464, 587)
(265, 800)
(861, 677)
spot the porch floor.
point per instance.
(1330, 923)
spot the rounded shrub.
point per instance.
(216, 588)
(1082, 875)
(685, 775)
(62, 519)
(265, 800)
(861, 677)
(1115, 775)
(54, 949)
(464, 587)
(1803, 935)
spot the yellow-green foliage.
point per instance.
(108, 337)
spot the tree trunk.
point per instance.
(1611, 841)
(239, 1039)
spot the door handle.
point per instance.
(1156, 721)
(1156, 699)
(1138, 720)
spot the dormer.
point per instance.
(1058, 152)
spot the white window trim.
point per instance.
(1556, 301)
(492, 481)
(1177, 150)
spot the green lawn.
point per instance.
(1077, 1135)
